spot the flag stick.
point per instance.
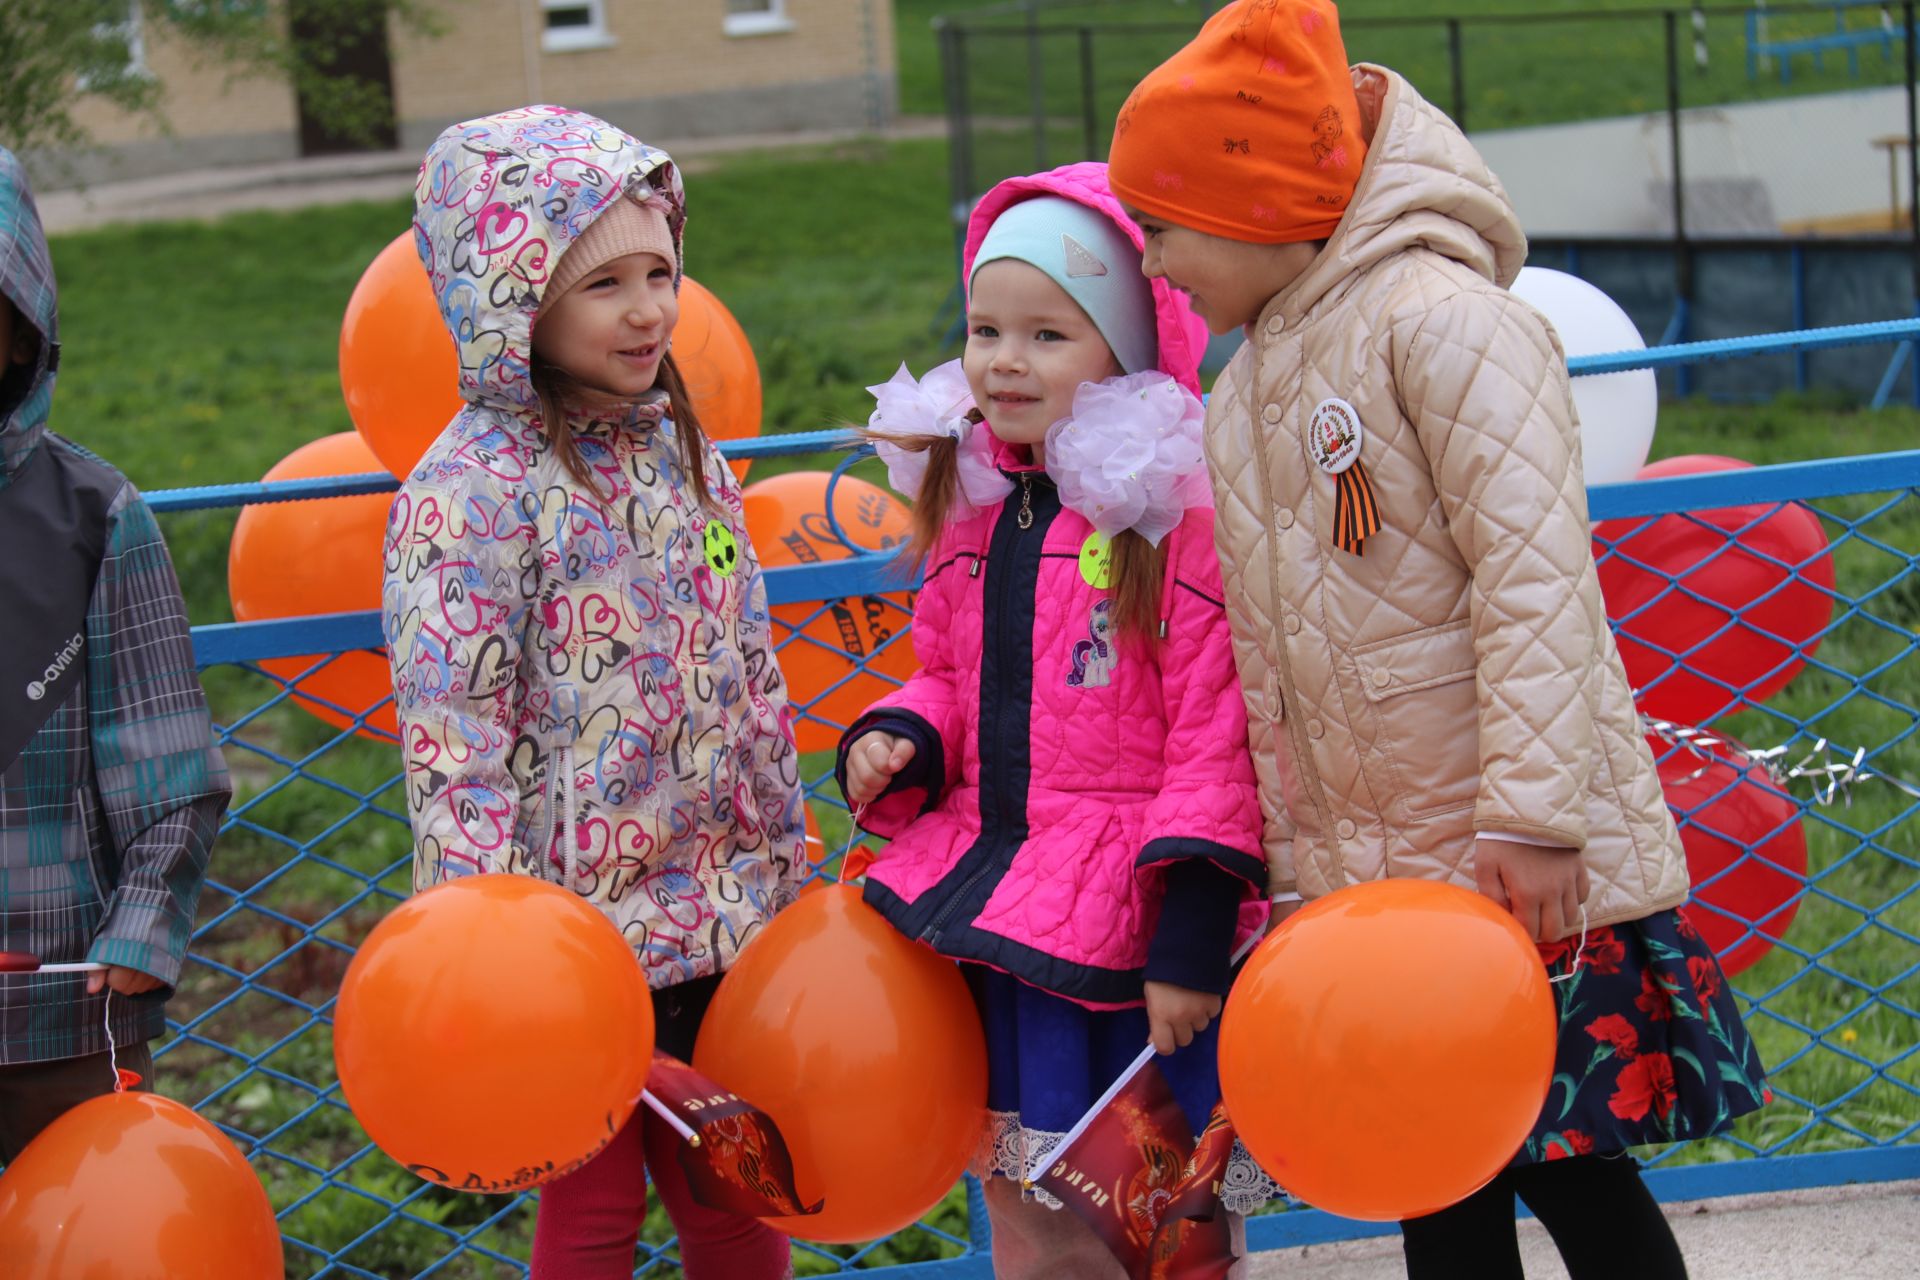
(83, 966)
(1132, 1070)
(665, 1113)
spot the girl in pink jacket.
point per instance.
(1066, 780)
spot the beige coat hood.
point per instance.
(1458, 676)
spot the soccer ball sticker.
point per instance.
(723, 552)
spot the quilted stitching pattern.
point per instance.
(1384, 760)
(1158, 753)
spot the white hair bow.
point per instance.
(935, 405)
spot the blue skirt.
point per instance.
(1049, 1059)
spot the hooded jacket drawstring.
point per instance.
(1168, 578)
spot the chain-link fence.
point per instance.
(316, 850)
(1708, 131)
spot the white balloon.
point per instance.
(1617, 410)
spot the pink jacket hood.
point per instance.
(1182, 335)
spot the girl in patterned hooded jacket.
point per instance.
(581, 651)
(1066, 779)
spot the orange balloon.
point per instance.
(865, 1049)
(1386, 1050)
(290, 559)
(787, 523)
(400, 372)
(398, 368)
(137, 1187)
(493, 1033)
(716, 362)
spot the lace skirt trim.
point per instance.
(1009, 1149)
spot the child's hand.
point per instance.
(1175, 1015)
(125, 981)
(872, 760)
(1278, 913)
(1542, 887)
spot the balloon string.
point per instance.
(1579, 952)
(853, 836)
(113, 1050)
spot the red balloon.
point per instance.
(1703, 570)
(831, 664)
(400, 373)
(865, 1049)
(493, 1033)
(291, 559)
(1388, 1048)
(134, 1186)
(1746, 851)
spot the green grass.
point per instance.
(1513, 73)
(202, 354)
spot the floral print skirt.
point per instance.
(1652, 1047)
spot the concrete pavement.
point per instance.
(1868, 1231)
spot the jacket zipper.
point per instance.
(991, 823)
(569, 845)
(559, 819)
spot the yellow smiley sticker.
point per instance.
(723, 553)
(1096, 560)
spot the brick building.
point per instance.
(666, 69)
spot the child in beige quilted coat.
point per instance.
(1431, 686)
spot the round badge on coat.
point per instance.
(1334, 435)
(1096, 561)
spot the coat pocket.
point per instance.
(1425, 701)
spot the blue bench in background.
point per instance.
(1761, 45)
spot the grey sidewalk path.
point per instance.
(1868, 1231)
(375, 175)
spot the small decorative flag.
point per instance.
(1132, 1172)
(735, 1159)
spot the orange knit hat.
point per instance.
(1251, 131)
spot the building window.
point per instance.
(123, 32)
(757, 17)
(573, 25)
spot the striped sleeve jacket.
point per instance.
(108, 813)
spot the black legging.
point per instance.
(1597, 1210)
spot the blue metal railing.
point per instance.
(316, 848)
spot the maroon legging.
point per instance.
(590, 1219)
